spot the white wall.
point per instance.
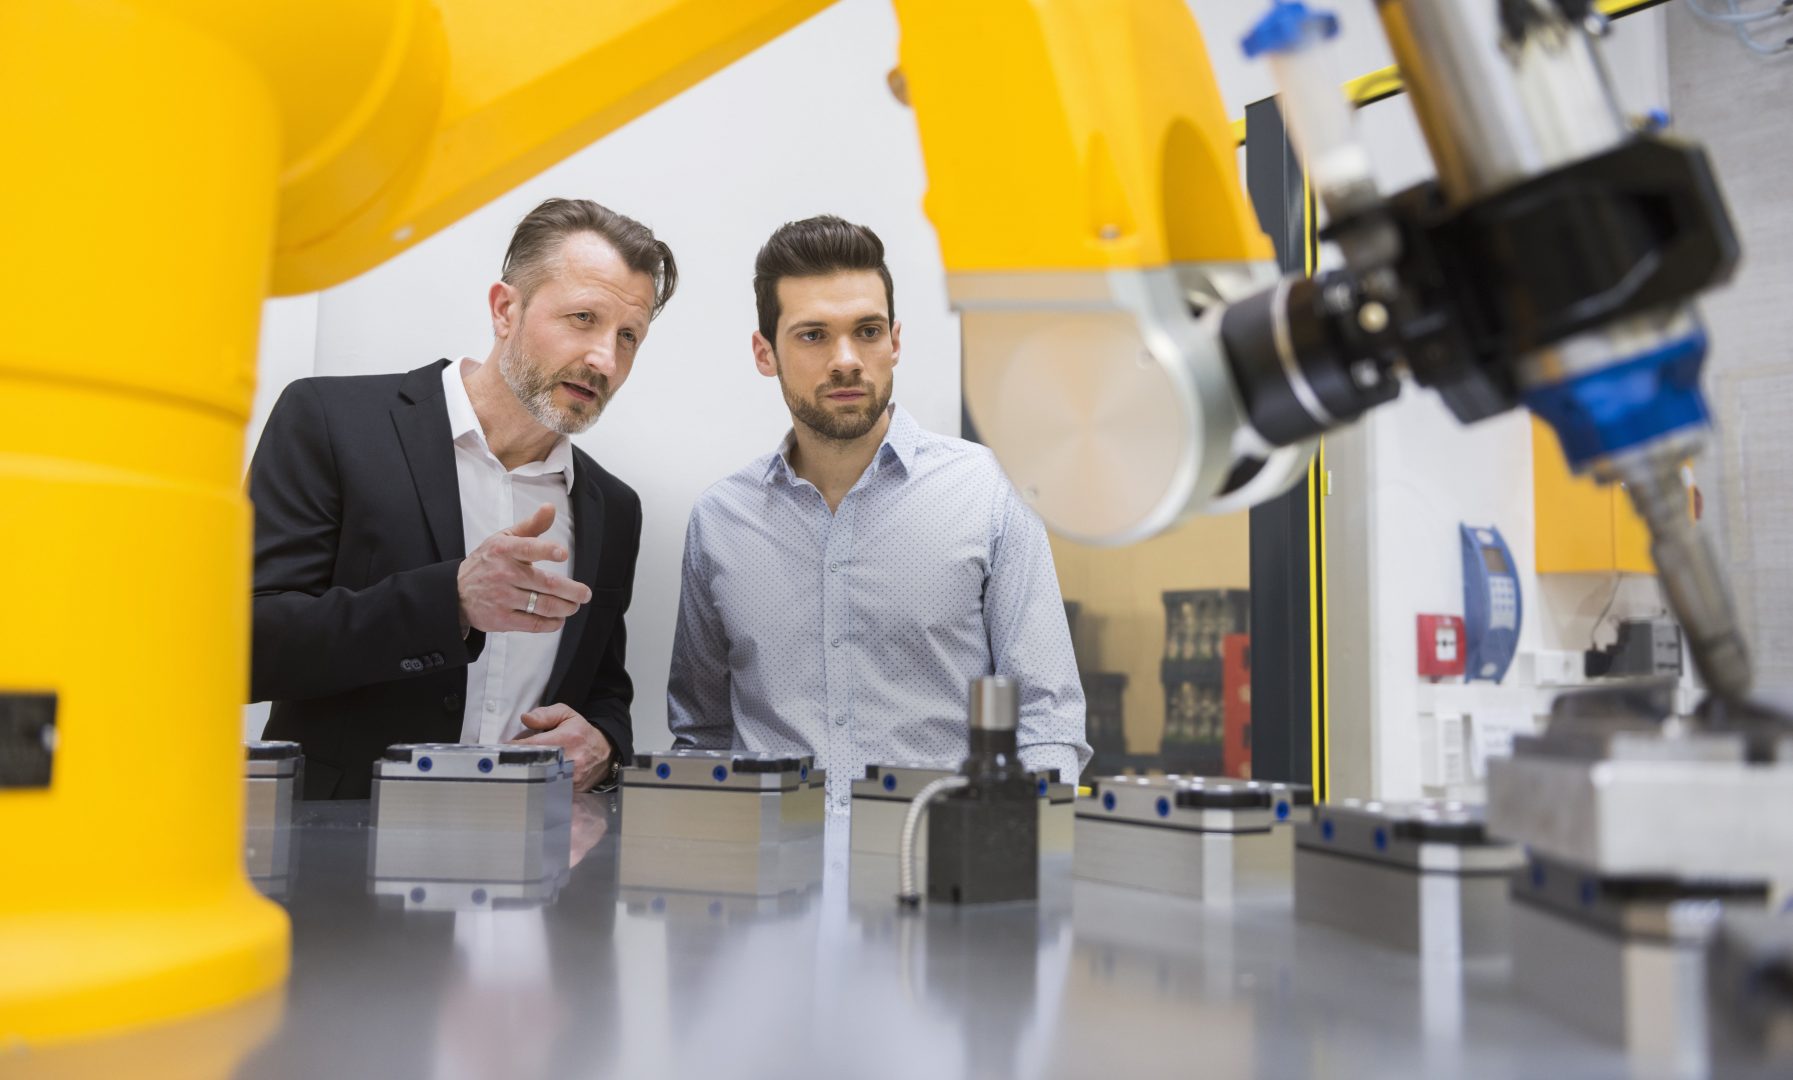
(802, 126)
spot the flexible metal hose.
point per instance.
(918, 809)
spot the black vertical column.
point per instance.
(1282, 683)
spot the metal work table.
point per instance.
(608, 977)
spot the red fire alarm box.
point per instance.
(1235, 712)
(1441, 645)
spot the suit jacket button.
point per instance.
(451, 703)
(436, 659)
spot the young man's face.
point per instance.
(568, 351)
(835, 352)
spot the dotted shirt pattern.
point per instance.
(854, 635)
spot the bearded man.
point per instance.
(435, 561)
(840, 593)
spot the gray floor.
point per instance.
(628, 970)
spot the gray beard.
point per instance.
(535, 392)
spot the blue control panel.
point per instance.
(1492, 606)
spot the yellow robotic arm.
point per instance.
(175, 162)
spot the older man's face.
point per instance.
(578, 335)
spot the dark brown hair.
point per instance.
(542, 231)
(815, 247)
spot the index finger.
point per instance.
(531, 549)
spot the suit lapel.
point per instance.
(588, 546)
(422, 424)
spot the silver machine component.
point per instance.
(881, 800)
(1115, 418)
(271, 772)
(478, 894)
(1749, 980)
(271, 779)
(1644, 831)
(1493, 116)
(723, 795)
(1206, 838)
(469, 813)
(1423, 877)
(658, 866)
(1622, 958)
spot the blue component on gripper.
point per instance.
(889, 782)
(1381, 839)
(663, 770)
(803, 773)
(1108, 800)
(720, 772)
(1042, 789)
(1537, 875)
(1326, 830)
(1163, 806)
(1625, 404)
(1282, 810)
(479, 896)
(424, 764)
(485, 764)
(1287, 26)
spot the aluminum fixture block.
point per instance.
(717, 867)
(271, 774)
(1206, 838)
(1643, 995)
(270, 783)
(1189, 803)
(1422, 877)
(881, 800)
(1749, 989)
(432, 894)
(723, 795)
(471, 813)
(1623, 958)
(1686, 807)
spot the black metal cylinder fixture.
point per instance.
(1310, 354)
(995, 717)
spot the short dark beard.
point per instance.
(836, 427)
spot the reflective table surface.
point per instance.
(655, 960)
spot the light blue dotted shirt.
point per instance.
(854, 635)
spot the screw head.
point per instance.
(1373, 317)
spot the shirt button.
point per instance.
(839, 721)
(843, 801)
(834, 568)
(491, 706)
(837, 643)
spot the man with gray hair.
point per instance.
(434, 560)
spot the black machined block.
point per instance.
(27, 739)
(984, 844)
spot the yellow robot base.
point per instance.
(139, 220)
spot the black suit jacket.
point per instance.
(357, 638)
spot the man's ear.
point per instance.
(896, 342)
(763, 356)
(507, 309)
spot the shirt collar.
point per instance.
(900, 441)
(464, 428)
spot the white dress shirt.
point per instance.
(512, 671)
(854, 634)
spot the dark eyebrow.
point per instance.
(867, 320)
(813, 324)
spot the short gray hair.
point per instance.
(542, 231)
